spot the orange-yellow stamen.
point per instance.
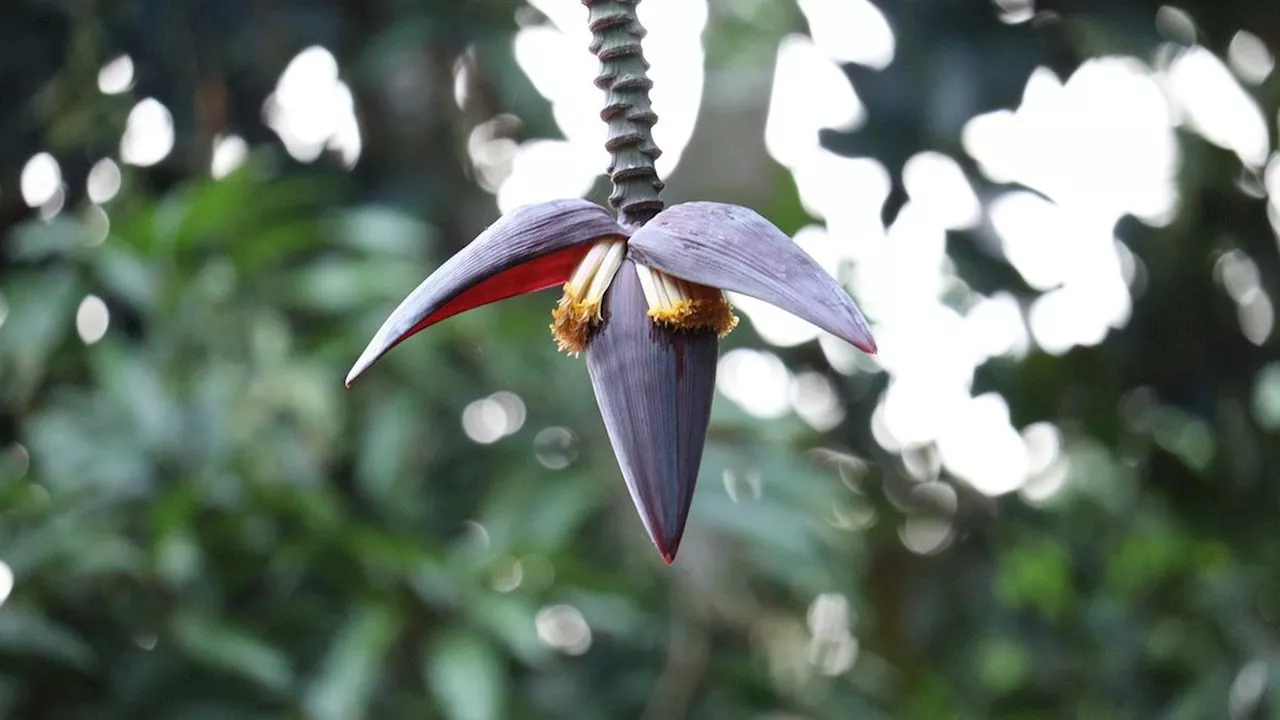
(579, 308)
(680, 304)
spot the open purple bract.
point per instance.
(648, 309)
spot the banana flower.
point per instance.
(648, 308)
(643, 295)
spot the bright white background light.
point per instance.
(229, 153)
(92, 319)
(41, 179)
(148, 134)
(312, 110)
(116, 76)
(558, 63)
(103, 182)
(6, 581)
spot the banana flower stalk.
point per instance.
(643, 295)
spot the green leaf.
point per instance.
(466, 676)
(41, 311)
(38, 240)
(340, 285)
(232, 650)
(1003, 664)
(511, 619)
(389, 433)
(383, 230)
(352, 667)
(125, 273)
(25, 634)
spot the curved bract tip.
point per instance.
(734, 248)
(530, 248)
(654, 386)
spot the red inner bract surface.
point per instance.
(540, 273)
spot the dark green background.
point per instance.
(202, 523)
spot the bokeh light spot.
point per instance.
(6, 581)
(492, 151)
(756, 381)
(850, 31)
(810, 92)
(1249, 57)
(814, 399)
(979, 446)
(148, 134)
(997, 326)
(1176, 25)
(490, 419)
(1247, 688)
(832, 646)
(40, 180)
(556, 60)
(1217, 107)
(926, 534)
(1257, 317)
(508, 574)
(937, 183)
(229, 153)
(15, 461)
(1013, 12)
(556, 447)
(476, 534)
(97, 225)
(483, 421)
(563, 628)
(103, 182)
(92, 319)
(1266, 397)
(116, 76)
(312, 110)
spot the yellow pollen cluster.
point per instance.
(683, 305)
(673, 303)
(579, 307)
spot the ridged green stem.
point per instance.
(616, 35)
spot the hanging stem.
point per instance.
(616, 35)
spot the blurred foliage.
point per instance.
(202, 523)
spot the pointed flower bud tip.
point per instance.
(654, 385)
